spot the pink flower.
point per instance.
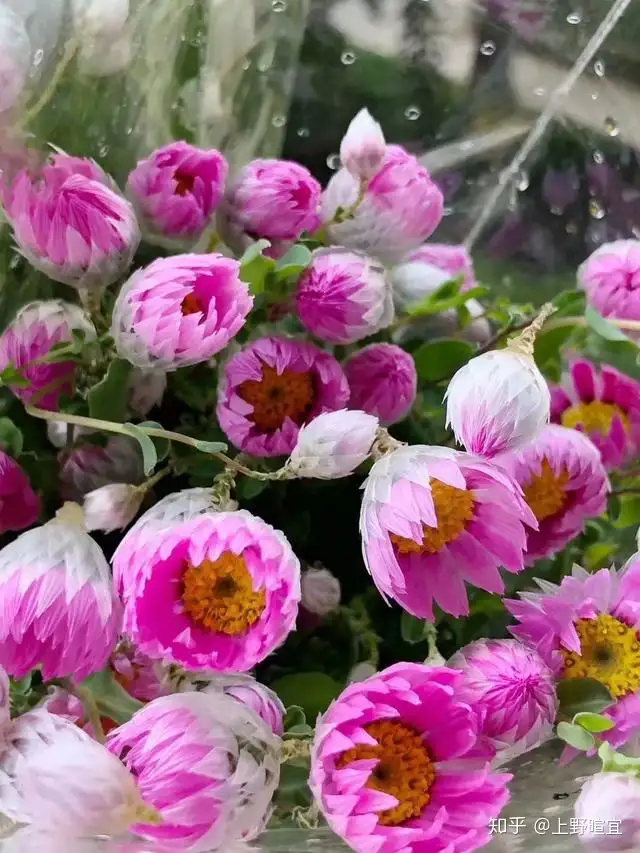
(60, 609)
(363, 147)
(433, 518)
(88, 467)
(588, 627)
(73, 228)
(30, 337)
(177, 189)
(513, 689)
(383, 382)
(333, 444)
(497, 402)
(604, 404)
(397, 765)
(453, 260)
(19, 504)
(220, 592)
(62, 703)
(253, 695)
(564, 483)
(55, 776)
(609, 800)
(180, 310)
(272, 387)
(207, 765)
(273, 199)
(344, 297)
(611, 279)
(402, 207)
(112, 507)
(140, 676)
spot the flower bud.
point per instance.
(146, 390)
(254, 695)
(333, 444)
(100, 17)
(363, 146)
(605, 799)
(320, 591)
(112, 507)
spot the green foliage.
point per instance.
(112, 699)
(149, 454)
(108, 398)
(312, 691)
(576, 736)
(413, 630)
(439, 360)
(11, 439)
(579, 695)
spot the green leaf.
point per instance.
(568, 303)
(11, 439)
(255, 267)
(434, 304)
(436, 360)
(247, 488)
(211, 446)
(413, 630)
(113, 700)
(594, 723)
(629, 512)
(576, 736)
(108, 399)
(615, 762)
(598, 555)
(254, 252)
(12, 376)
(294, 262)
(312, 691)
(583, 694)
(294, 716)
(604, 328)
(162, 445)
(149, 455)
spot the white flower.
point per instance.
(320, 591)
(497, 402)
(363, 146)
(414, 281)
(100, 17)
(112, 507)
(55, 776)
(146, 390)
(57, 432)
(333, 444)
(15, 57)
(610, 800)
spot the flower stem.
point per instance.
(559, 322)
(152, 481)
(90, 707)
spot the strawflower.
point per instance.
(220, 592)
(397, 765)
(180, 310)
(611, 279)
(608, 811)
(432, 519)
(588, 627)
(453, 261)
(112, 507)
(383, 382)
(333, 444)
(604, 404)
(363, 147)
(253, 695)
(19, 504)
(564, 483)
(272, 387)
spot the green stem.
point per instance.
(49, 92)
(152, 481)
(90, 707)
(559, 322)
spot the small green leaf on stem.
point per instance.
(162, 445)
(413, 630)
(211, 446)
(112, 699)
(576, 736)
(149, 455)
(603, 327)
(294, 262)
(11, 440)
(108, 399)
(594, 723)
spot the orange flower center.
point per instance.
(546, 492)
(454, 509)
(184, 182)
(278, 396)
(405, 769)
(594, 417)
(610, 653)
(191, 305)
(219, 596)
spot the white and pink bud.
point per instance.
(333, 444)
(321, 591)
(612, 801)
(146, 390)
(363, 146)
(112, 507)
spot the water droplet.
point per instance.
(246, 65)
(333, 161)
(14, 263)
(596, 209)
(594, 96)
(574, 18)
(38, 56)
(539, 92)
(571, 228)
(348, 58)
(447, 211)
(278, 5)
(103, 150)
(598, 156)
(488, 48)
(412, 113)
(598, 67)
(556, 211)
(611, 126)
(522, 181)
(278, 121)
(303, 132)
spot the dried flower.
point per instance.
(397, 764)
(333, 444)
(19, 504)
(343, 297)
(513, 689)
(383, 382)
(321, 591)
(176, 191)
(88, 467)
(363, 147)
(220, 592)
(428, 524)
(180, 310)
(207, 765)
(56, 584)
(29, 339)
(272, 387)
(112, 507)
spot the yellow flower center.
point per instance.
(405, 769)
(278, 396)
(454, 509)
(546, 492)
(594, 417)
(610, 654)
(219, 596)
